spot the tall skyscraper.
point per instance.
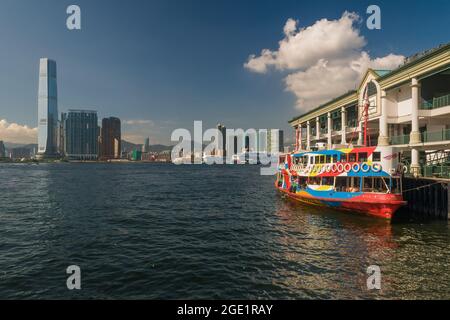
(2, 150)
(275, 141)
(81, 133)
(47, 109)
(146, 146)
(110, 139)
(223, 131)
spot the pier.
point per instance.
(427, 198)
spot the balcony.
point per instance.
(442, 135)
(403, 139)
(435, 103)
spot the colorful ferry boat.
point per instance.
(361, 179)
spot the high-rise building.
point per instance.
(275, 140)
(47, 109)
(223, 132)
(110, 139)
(81, 133)
(146, 146)
(2, 150)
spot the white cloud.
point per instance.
(16, 133)
(324, 60)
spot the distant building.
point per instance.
(2, 150)
(136, 155)
(47, 109)
(20, 153)
(275, 141)
(110, 139)
(146, 146)
(81, 135)
(223, 131)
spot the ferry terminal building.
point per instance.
(409, 109)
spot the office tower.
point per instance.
(110, 139)
(146, 146)
(2, 150)
(81, 135)
(20, 153)
(47, 109)
(275, 141)
(62, 134)
(223, 132)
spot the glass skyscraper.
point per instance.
(47, 109)
(81, 134)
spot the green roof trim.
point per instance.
(382, 73)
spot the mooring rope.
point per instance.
(428, 185)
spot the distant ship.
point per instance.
(361, 179)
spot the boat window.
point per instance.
(352, 157)
(376, 156)
(362, 157)
(355, 183)
(327, 181)
(335, 157)
(322, 159)
(328, 159)
(344, 157)
(314, 181)
(375, 184)
(341, 184)
(396, 185)
(296, 160)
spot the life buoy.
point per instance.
(347, 167)
(376, 167)
(365, 167)
(340, 167)
(334, 168)
(356, 167)
(328, 168)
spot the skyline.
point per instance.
(164, 75)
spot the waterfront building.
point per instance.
(409, 108)
(47, 109)
(275, 140)
(81, 133)
(2, 149)
(223, 131)
(136, 155)
(110, 139)
(146, 145)
(20, 153)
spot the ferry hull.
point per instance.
(376, 205)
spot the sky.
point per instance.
(160, 65)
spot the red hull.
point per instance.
(378, 205)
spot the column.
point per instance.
(308, 135)
(415, 166)
(343, 126)
(317, 128)
(360, 133)
(415, 134)
(383, 137)
(330, 128)
(300, 137)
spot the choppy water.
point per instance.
(164, 231)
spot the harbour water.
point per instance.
(160, 231)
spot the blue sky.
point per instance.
(160, 65)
